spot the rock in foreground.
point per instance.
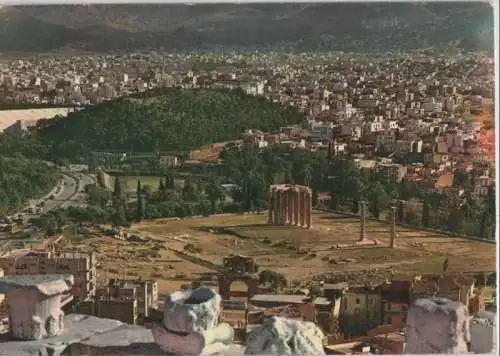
(281, 336)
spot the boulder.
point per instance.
(281, 336)
(437, 325)
(190, 322)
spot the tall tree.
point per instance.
(214, 194)
(141, 207)
(161, 186)
(140, 202)
(189, 191)
(426, 210)
(170, 181)
(118, 189)
(118, 218)
(139, 188)
(377, 199)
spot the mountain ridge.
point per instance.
(295, 26)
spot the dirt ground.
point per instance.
(296, 252)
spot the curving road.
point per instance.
(70, 193)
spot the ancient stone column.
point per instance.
(362, 218)
(277, 207)
(437, 326)
(270, 206)
(191, 323)
(302, 199)
(296, 206)
(34, 304)
(309, 209)
(285, 206)
(394, 210)
(291, 205)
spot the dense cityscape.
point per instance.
(350, 198)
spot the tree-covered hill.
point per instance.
(22, 179)
(162, 119)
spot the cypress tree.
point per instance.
(426, 213)
(139, 188)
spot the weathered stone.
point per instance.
(78, 329)
(281, 336)
(46, 284)
(34, 304)
(192, 310)
(190, 322)
(437, 325)
(483, 333)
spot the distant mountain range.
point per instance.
(357, 27)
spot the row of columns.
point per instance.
(362, 215)
(290, 205)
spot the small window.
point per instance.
(389, 320)
(388, 306)
(357, 301)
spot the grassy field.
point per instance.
(298, 253)
(130, 182)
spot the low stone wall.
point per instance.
(197, 260)
(104, 180)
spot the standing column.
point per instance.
(270, 206)
(309, 209)
(34, 304)
(277, 206)
(282, 207)
(302, 200)
(291, 205)
(296, 206)
(286, 206)
(362, 213)
(394, 210)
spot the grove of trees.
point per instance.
(166, 119)
(251, 172)
(22, 179)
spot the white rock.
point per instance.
(190, 323)
(192, 310)
(281, 336)
(437, 325)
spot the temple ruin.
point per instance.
(290, 204)
(362, 218)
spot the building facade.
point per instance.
(81, 265)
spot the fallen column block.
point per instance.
(436, 326)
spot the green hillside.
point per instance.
(163, 119)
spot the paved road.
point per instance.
(71, 193)
(78, 196)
